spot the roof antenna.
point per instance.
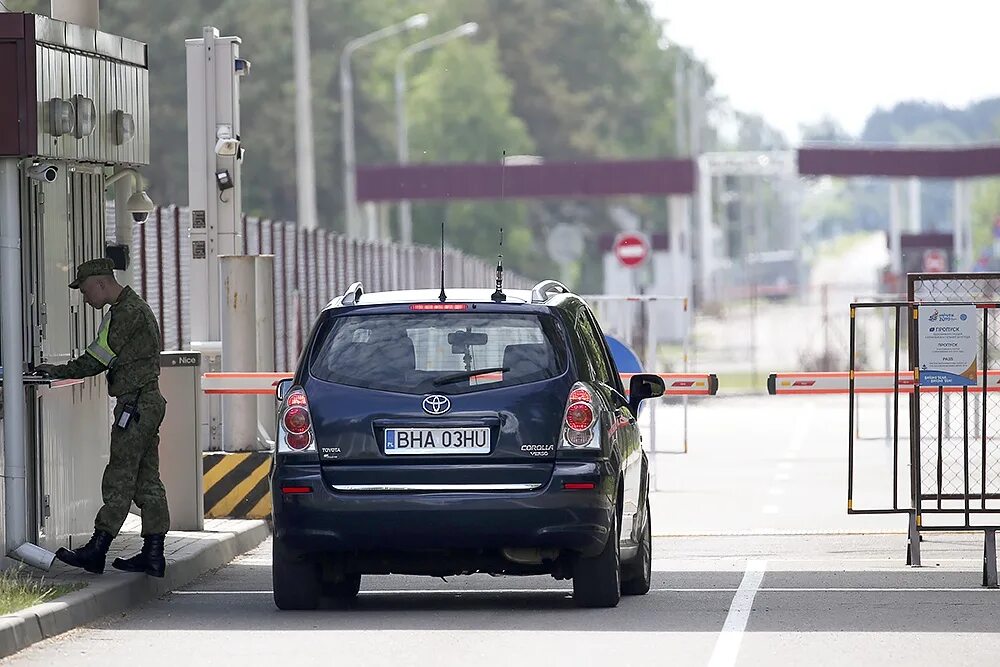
(442, 297)
(499, 296)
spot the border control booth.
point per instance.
(74, 112)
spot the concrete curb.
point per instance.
(116, 591)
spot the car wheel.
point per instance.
(344, 591)
(296, 581)
(638, 574)
(597, 580)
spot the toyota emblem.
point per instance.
(436, 404)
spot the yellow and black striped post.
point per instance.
(236, 485)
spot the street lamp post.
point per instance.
(402, 140)
(347, 117)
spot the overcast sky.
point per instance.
(793, 61)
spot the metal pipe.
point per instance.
(12, 357)
(305, 171)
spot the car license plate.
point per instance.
(425, 441)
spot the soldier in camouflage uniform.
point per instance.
(128, 349)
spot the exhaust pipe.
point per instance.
(12, 361)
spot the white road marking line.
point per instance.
(727, 647)
(567, 591)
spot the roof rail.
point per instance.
(541, 292)
(353, 294)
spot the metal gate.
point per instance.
(946, 476)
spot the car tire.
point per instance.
(296, 582)
(344, 591)
(597, 580)
(637, 575)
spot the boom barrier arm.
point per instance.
(677, 384)
(865, 382)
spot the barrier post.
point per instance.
(239, 345)
(264, 317)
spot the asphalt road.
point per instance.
(755, 559)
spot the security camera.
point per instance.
(47, 173)
(140, 206)
(227, 147)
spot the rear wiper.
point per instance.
(458, 377)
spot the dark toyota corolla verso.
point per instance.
(469, 434)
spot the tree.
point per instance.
(461, 105)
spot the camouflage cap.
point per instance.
(93, 267)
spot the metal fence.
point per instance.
(946, 474)
(310, 269)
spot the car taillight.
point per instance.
(581, 419)
(296, 420)
(580, 416)
(296, 423)
(299, 442)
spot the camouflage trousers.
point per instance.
(133, 471)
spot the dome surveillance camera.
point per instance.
(140, 206)
(47, 173)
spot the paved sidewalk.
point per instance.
(189, 555)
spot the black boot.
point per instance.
(90, 556)
(150, 560)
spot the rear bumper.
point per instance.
(550, 517)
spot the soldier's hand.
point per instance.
(45, 370)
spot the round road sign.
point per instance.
(631, 248)
(935, 261)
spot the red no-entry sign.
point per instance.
(631, 248)
(935, 261)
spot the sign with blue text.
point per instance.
(948, 338)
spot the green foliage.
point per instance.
(563, 79)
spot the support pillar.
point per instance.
(895, 227)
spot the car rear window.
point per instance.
(422, 353)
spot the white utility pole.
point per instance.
(402, 127)
(351, 220)
(895, 227)
(914, 205)
(305, 163)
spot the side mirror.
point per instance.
(282, 389)
(643, 386)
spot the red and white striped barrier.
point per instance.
(684, 384)
(242, 383)
(865, 382)
(677, 384)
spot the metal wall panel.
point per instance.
(112, 85)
